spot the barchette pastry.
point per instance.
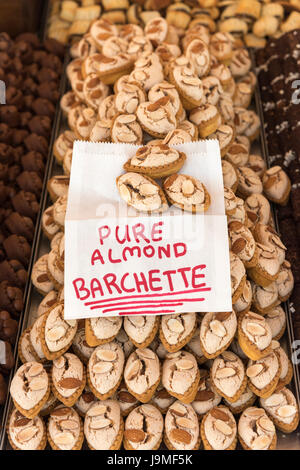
(143, 428)
(216, 332)
(50, 404)
(264, 298)
(282, 409)
(187, 193)
(246, 399)
(220, 47)
(254, 335)
(187, 83)
(206, 397)
(80, 347)
(257, 164)
(256, 431)
(129, 97)
(158, 118)
(162, 89)
(141, 192)
(263, 375)
(230, 175)
(237, 154)
(228, 376)
(242, 95)
(139, 45)
(68, 378)
(85, 401)
(180, 375)
(147, 71)
(276, 320)
(156, 30)
(267, 268)
(35, 338)
(197, 53)
(65, 429)
(68, 101)
(101, 30)
(84, 123)
(181, 428)
(218, 429)
(226, 109)
(40, 278)
(142, 374)
(237, 275)
(57, 334)
(247, 123)
(101, 330)
(59, 211)
(125, 399)
(230, 201)
(285, 281)
(63, 143)
(207, 119)
(194, 346)
(30, 389)
(286, 368)
(249, 182)
(103, 426)
(189, 127)
(243, 303)
(105, 369)
(141, 330)
(126, 130)
(242, 243)
(258, 209)
(177, 330)
(212, 89)
(54, 269)
(50, 228)
(58, 186)
(25, 351)
(266, 235)
(107, 110)
(26, 433)
(162, 399)
(223, 74)
(177, 136)
(276, 185)
(94, 90)
(156, 161)
(240, 213)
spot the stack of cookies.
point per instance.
(190, 379)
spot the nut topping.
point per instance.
(254, 370)
(27, 434)
(97, 410)
(69, 424)
(106, 355)
(178, 409)
(185, 423)
(184, 364)
(34, 370)
(261, 442)
(102, 367)
(225, 373)
(38, 384)
(223, 427)
(219, 414)
(180, 435)
(255, 329)
(56, 333)
(69, 383)
(286, 411)
(65, 438)
(175, 325)
(217, 328)
(134, 435)
(266, 424)
(100, 423)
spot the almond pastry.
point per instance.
(142, 374)
(246, 399)
(243, 303)
(68, 378)
(85, 401)
(65, 430)
(126, 400)
(263, 375)
(158, 118)
(219, 430)
(264, 299)
(162, 399)
(254, 335)
(277, 185)
(103, 426)
(286, 368)
(141, 330)
(177, 330)
(126, 130)
(237, 275)
(276, 320)
(143, 428)
(207, 118)
(283, 410)
(181, 428)
(188, 85)
(216, 332)
(256, 431)
(242, 243)
(26, 433)
(101, 330)
(267, 268)
(228, 376)
(187, 193)
(206, 397)
(80, 347)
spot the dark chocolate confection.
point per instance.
(5, 133)
(17, 247)
(288, 232)
(29, 86)
(2, 74)
(43, 107)
(16, 65)
(293, 256)
(14, 97)
(3, 193)
(37, 143)
(33, 161)
(54, 47)
(5, 42)
(19, 136)
(3, 171)
(13, 271)
(40, 125)
(284, 212)
(26, 204)
(295, 199)
(28, 101)
(20, 225)
(30, 181)
(6, 153)
(46, 75)
(9, 359)
(11, 298)
(11, 79)
(18, 152)
(38, 56)
(13, 172)
(9, 115)
(29, 38)
(8, 327)
(32, 70)
(5, 60)
(3, 390)
(25, 118)
(23, 51)
(49, 91)
(294, 172)
(53, 62)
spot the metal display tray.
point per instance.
(285, 441)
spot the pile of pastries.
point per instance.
(187, 380)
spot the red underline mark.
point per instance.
(146, 312)
(171, 304)
(161, 302)
(202, 289)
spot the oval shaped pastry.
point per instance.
(101, 330)
(187, 193)
(143, 428)
(158, 118)
(65, 429)
(206, 397)
(125, 399)
(181, 428)
(25, 433)
(276, 320)
(187, 82)
(57, 334)
(263, 375)
(286, 368)
(256, 431)
(126, 130)
(254, 335)
(242, 243)
(180, 375)
(219, 430)
(35, 338)
(105, 369)
(238, 276)
(177, 330)
(282, 408)
(80, 346)
(103, 426)
(30, 389)
(141, 192)
(142, 374)
(216, 332)
(25, 349)
(156, 161)
(85, 401)
(228, 376)
(68, 378)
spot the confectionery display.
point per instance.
(153, 74)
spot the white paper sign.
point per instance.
(122, 262)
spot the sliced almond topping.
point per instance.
(254, 370)
(59, 363)
(261, 442)
(204, 395)
(102, 367)
(134, 435)
(173, 355)
(137, 321)
(148, 189)
(184, 364)
(70, 383)
(223, 427)
(133, 369)
(219, 414)
(286, 411)
(222, 316)
(100, 423)
(217, 328)
(38, 383)
(187, 188)
(225, 373)
(180, 435)
(125, 193)
(106, 355)
(64, 438)
(60, 412)
(26, 434)
(55, 333)
(266, 424)
(21, 422)
(175, 325)
(255, 412)
(255, 329)
(126, 118)
(194, 81)
(185, 423)
(126, 397)
(275, 344)
(238, 245)
(71, 323)
(178, 409)
(229, 356)
(270, 182)
(274, 400)
(97, 410)
(69, 424)
(34, 370)
(145, 353)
